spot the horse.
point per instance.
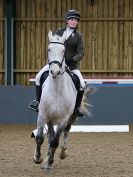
(57, 103)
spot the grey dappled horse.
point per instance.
(57, 102)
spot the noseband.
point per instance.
(54, 61)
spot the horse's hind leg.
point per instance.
(39, 140)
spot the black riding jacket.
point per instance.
(74, 50)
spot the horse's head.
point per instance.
(56, 51)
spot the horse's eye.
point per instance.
(48, 50)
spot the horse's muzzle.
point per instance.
(55, 70)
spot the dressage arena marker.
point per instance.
(100, 128)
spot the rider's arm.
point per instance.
(79, 50)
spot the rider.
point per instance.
(74, 52)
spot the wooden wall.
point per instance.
(1, 42)
(107, 29)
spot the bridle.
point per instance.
(54, 61)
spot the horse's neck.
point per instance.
(61, 83)
(58, 83)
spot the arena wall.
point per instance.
(111, 105)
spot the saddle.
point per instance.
(74, 77)
(44, 77)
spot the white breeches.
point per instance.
(75, 71)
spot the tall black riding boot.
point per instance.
(78, 103)
(35, 103)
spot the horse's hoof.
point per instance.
(37, 160)
(63, 153)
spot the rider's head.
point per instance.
(72, 18)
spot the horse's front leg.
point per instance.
(63, 151)
(39, 140)
(53, 146)
(50, 135)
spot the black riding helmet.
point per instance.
(72, 14)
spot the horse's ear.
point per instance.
(50, 35)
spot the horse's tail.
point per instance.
(85, 105)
